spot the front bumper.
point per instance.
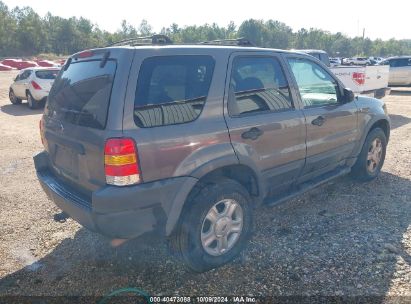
(118, 212)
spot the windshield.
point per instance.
(81, 94)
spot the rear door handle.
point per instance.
(252, 134)
(319, 121)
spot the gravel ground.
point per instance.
(343, 239)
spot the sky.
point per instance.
(389, 20)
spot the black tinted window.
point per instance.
(81, 94)
(172, 89)
(258, 84)
(47, 74)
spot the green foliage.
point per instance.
(23, 33)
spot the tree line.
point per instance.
(24, 33)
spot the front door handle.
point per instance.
(319, 121)
(252, 134)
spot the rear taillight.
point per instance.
(121, 162)
(35, 85)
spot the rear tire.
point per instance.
(13, 98)
(372, 156)
(31, 102)
(215, 227)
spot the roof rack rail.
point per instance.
(148, 40)
(238, 41)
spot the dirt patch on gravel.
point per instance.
(341, 239)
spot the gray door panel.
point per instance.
(331, 125)
(334, 140)
(264, 126)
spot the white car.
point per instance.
(335, 62)
(357, 61)
(400, 70)
(32, 84)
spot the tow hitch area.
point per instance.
(61, 217)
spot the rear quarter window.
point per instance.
(81, 94)
(172, 89)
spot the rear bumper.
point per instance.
(39, 94)
(119, 212)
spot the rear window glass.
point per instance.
(172, 89)
(81, 94)
(47, 74)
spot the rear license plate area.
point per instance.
(66, 160)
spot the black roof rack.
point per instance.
(149, 40)
(229, 42)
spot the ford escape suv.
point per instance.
(188, 139)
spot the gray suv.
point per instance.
(189, 139)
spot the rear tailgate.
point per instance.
(77, 120)
(376, 77)
(351, 77)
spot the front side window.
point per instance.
(172, 89)
(316, 86)
(258, 84)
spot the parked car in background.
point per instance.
(365, 80)
(189, 139)
(19, 63)
(11, 62)
(319, 54)
(356, 61)
(33, 85)
(335, 62)
(6, 67)
(46, 63)
(400, 70)
(376, 59)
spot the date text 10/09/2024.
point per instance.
(203, 299)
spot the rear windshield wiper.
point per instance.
(79, 113)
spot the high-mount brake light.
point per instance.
(85, 54)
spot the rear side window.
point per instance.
(47, 74)
(81, 94)
(258, 84)
(172, 89)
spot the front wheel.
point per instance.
(215, 227)
(372, 156)
(13, 98)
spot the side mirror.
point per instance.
(348, 95)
